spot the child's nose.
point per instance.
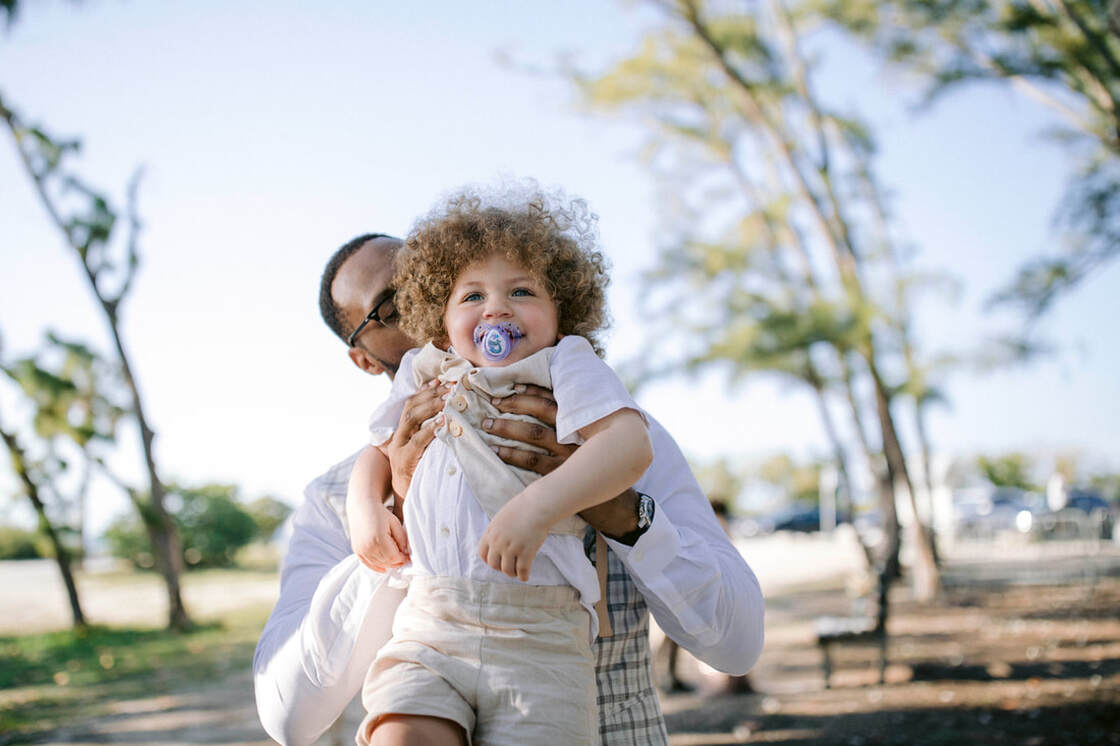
(496, 307)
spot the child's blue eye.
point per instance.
(522, 291)
(473, 296)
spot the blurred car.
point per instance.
(1088, 502)
(803, 518)
(749, 526)
(1086, 515)
(799, 518)
(989, 512)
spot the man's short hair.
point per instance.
(331, 313)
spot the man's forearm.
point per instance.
(697, 585)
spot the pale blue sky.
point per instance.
(270, 137)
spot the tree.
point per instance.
(778, 243)
(63, 383)
(1064, 55)
(26, 473)
(87, 223)
(72, 390)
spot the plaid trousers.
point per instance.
(629, 710)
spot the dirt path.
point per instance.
(1026, 665)
(997, 662)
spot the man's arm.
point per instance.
(696, 583)
(332, 614)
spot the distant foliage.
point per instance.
(211, 523)
(268, 515)
(19, 543)
(127, 540)
(800, 482)
(1108, 485)
(1009, 470)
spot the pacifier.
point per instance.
(496, 341)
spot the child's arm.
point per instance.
(615, 453)
(376, 534)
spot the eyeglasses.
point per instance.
(384, 312)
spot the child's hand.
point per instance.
(378, 538)
(513, 538)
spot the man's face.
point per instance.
(362, 281)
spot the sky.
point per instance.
(268, 138)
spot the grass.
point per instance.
(56, 678)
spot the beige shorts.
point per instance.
(510, 663)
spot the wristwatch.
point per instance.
(646, 507)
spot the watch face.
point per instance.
(645, 510)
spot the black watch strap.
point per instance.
(646, 509)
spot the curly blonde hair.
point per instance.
(554, 238)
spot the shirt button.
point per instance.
(460, 403)
(451, 471)
(456, 429)
(445, 531)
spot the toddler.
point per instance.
(494, 633)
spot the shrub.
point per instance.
(212, 527)
(268, 514)
(20, 543)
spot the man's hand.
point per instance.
(536, 402)
(513, 537)
(615, 517)
(413, 435)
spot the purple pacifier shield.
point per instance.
(495, 342)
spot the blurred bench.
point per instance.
(861, 629)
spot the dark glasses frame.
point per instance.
(375, 315)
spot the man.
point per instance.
(668, 554)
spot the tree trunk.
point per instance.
(927, 458)
(161, 531)
(888, 561)
(61, 554)
(927, 578)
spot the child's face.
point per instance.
(496, 290)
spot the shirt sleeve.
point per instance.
(697, 585)
(331, 617)
(586, 389)
(383, 422)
